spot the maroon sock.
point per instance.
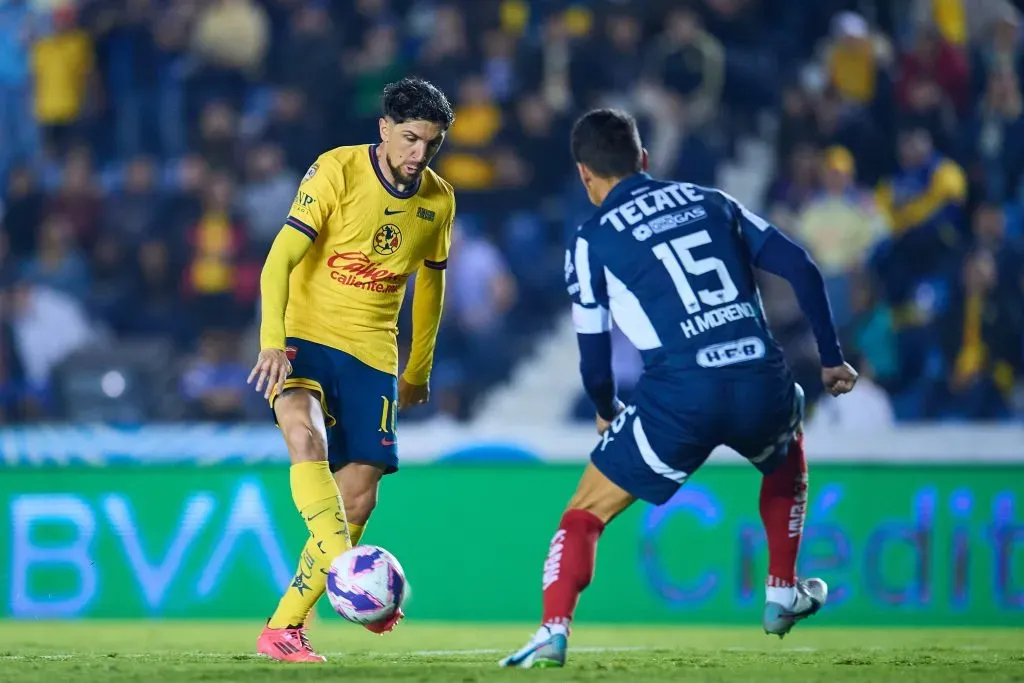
(570, 564)
(783, 508)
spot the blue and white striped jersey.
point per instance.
(672, 264)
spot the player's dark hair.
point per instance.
(608, 143)
(414, 99)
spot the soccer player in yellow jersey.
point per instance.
(364, 220)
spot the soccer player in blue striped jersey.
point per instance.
(672, 264)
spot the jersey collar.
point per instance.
(392, 190)
(624, 186)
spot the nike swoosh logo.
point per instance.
(389, 212)
(312, 517)
(386, 442)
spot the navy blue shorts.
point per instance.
(668, 431)
(359, 403)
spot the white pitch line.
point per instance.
(428, 653)
(247, 655)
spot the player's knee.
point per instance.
(304, 442)
(599, 496)
(301, 422)
(359, 504)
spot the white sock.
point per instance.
(556, 628)
(783, 596)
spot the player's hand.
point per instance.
(840, 379)
(272, 368)
(602, 424)
(412, 394)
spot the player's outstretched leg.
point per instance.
(783, 509)
(318, 501)
(569, 568)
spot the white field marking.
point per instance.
(251, 655)
(435, 653)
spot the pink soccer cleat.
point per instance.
(385, 626)
(287, 645)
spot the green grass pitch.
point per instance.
(34, 652)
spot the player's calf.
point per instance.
(783, 506)
(318, 501)
(783, 510)
(569, 567)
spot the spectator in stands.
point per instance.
(793, 187)
(1000, 47)
(994, 140)
(48, 327)
(837, 124)
(681, 96)
(154, 308)
(933, 76)
(63, 65)
(797, 122)
(22, 212)
(299, 135)
(19, 137)
(533, 134)
(498, 67)
(59, 263)
(111, 281)
(307, 51)
(78, 199)
(136, 212)
(981, 334)
(218, 137)
(378, 63)
(853, 60)
(613, 60)
(267, 194)
(924, 205)
(228, 64)
(467, 162)
(214, 382)
(446, 55)
(841, 221)
(187, 184)
(480, 291)
(870, 332)
(989, 229)
(132, 75)
(216, 269)
(690, 63)
(838, 226)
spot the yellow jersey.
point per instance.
(368, 239)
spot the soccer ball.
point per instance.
(366, 584)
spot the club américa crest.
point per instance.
(387, 239)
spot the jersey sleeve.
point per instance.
(585, 282)
(439, 256)
(754, 230)
(317, 197)
(585, 279)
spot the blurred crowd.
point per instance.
(149, 150)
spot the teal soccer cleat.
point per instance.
(811, 596)
(546, 650)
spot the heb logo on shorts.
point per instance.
(290, 352)
(355, 269)
(728, 353)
